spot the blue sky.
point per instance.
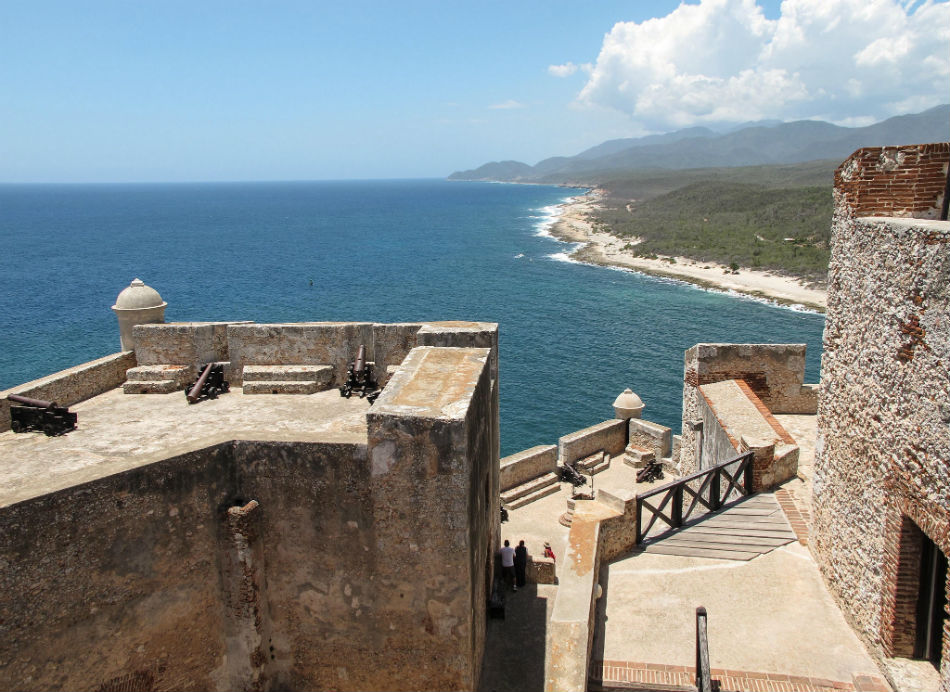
(180, 91)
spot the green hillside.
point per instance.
(762, 217)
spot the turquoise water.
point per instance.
(571, 336)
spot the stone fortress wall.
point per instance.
(269, 562)
(882, 483)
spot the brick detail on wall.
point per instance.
(909, 520)
(894, 181)
(907, 584)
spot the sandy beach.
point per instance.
(605, 249)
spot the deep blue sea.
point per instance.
(571, 336)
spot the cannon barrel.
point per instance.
(195, 393)
(28, 401)
(360, 364)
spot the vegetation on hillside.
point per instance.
(761, 217)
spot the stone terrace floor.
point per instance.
(118, 431)
(772, 623)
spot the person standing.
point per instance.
(521, 564)
(508, 564)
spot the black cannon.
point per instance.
(571, 475)
(28, 414)
(360, 378)
(653, 471)
(209, 384)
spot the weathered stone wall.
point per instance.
(648, 435)
(272, 564)
(884, 416)
(522, 467)
(302, 343)
(434, 484)
(735, 420)
(610, 436)
(391, 344)
(118, 579)
(775, 372)
(175, 343)
(716, 444)
(893, 181)
(70, 386)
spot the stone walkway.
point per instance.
(772, 624)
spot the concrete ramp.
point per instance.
(742, 530)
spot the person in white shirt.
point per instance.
(508, 565)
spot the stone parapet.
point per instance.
(609, 436)
(734, 421)
(301, 343)
(570, 628)
(774, 372)
(433, 477)
(651, 436)
(522, 467)
(70, 386)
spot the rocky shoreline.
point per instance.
(574, 226)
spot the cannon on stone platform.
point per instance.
(653, 471)
(209, 384)
(571, 475)
(360, 378)
(28, 414)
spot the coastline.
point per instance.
(573, 225)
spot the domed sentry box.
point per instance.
(137, 304)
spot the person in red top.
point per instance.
(548, 552)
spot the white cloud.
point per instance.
(565, 70)
(723, 60)
(507, 105)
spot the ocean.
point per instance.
(572, 336)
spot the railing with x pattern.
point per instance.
(736, 472)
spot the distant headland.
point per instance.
(747, 210)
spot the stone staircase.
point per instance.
(594, 464)
(287, 379)
(157, 379)
(535, 489)
(638, 457)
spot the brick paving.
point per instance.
(629, 673)
(798, 515)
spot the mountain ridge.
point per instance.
(698, 147)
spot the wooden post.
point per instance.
(703, 675)
(636, 521)
(677, 510)
(714, 501)
(749, 469)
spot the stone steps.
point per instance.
(150, 386)
(282, 387)
(535, 489)
(157, 379)
(638, 457)
(594, 464)
(321, 374)
(151, 373)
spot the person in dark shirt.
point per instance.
(521, 563)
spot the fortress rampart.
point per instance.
(258, 541)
